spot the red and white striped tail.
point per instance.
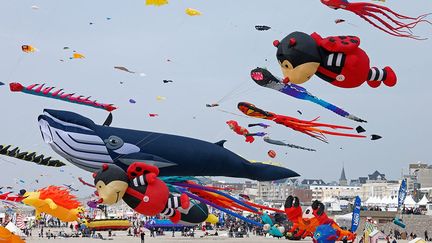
(20, 221)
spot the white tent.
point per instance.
(417, 240)
(409, 202)
(423, 201)
(14, 229)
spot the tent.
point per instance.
(417, 240)
(423, 201)
(14, 229)
(344, 220)
(409, 202)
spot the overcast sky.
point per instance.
(211, 56)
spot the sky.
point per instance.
(211, 57)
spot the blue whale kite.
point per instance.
(88, 145)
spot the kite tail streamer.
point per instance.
(40, 90)
(196, 186)
(193, 196)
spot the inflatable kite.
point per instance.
(336, 59)
(140, 189)
(310, 128)
(233, 125)
(156, 2)
(77, 55)
(305, 223)
(263, 125)
(325, 234)
(281, 143)
(8, 237)
(123, 69)
(12, 198)
(55, 201)
(192, 12)
(30, 157)
(374, 14)
(39, 90)
(264, 78)
(28, 48)
(262, 27)
(271, 154)
(107, 224)
(88, 146)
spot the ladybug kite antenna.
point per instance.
(276, 43)
(292, 42)
(104, 167)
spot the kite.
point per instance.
(132, 101)
(160, 98)
(28, 48)
(305, 224)
(360, 129)
(375, 137)
(271, 154)
(140, 189)
(39, 90)
(338, 21)
(281, 143)
(77, 55)
(55, 201)
(12, 198)
(84, 182)
(87, 145)
(34, 7)
(165, 81)
(262, 27)
(324, 234)
(1, 83)
(233, 125)
(265, 79)
(70, 188)
(263, 125)
(336, 59)
(153, 115)
(30, 157)
(123, 69)
(192, 12)
(212, 105)
(310, 128)
(372, 14)
(156, 2)
(8, 237)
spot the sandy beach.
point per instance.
(121, 237)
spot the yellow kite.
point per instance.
(156, 2)
(192, 12)
(55, 201)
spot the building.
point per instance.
(422, 174)
(343, 180)
(379, 189)
(276, 193)
(339, 192)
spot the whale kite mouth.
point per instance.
(74, 140)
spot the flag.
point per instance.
(356, 214)
(402, 192)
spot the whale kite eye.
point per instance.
(114, 142)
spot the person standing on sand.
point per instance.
(142, 234)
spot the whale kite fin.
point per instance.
(221, 143)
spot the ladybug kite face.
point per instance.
(298, 57)
(111, 184)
